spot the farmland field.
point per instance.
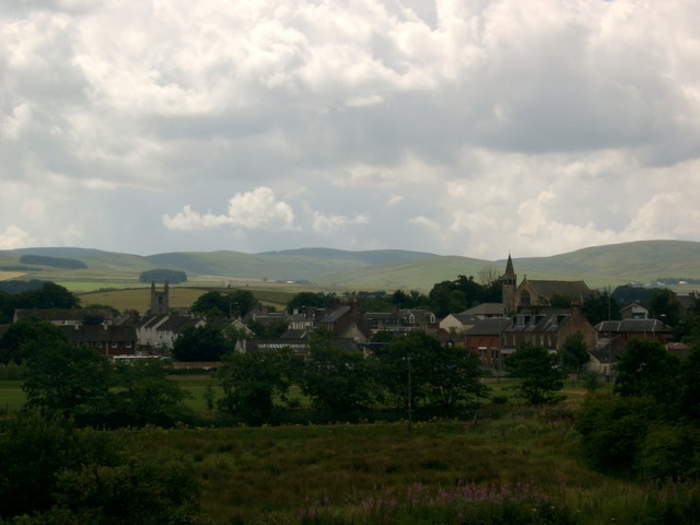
(6, 276)
(139, 298)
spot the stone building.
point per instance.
(160, 300)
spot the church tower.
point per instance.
(160, 301)
(510, 281)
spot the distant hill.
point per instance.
(382, 269)
(371, 257)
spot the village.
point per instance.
(545, 313)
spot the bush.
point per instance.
(670, 452)
(613, 429)
(58, 475)
(56, 262)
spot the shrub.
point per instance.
(613, 428)
(670, 452)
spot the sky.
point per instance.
(464, 127)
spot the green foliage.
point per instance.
(440, 377)
(664, 306)
(58, 475)
(670, 452)
(689, 398)
(79, 383)
(539, 374)
(145, 396)
(50, 295)
(163, 275)
(591, 381)
(251, 381)
(456, 296)
(613, 428)
(574, 353)
(342, 383)
(600, 306)
(268, 330)
(412, 299)
(56, 262)
(72, 381)
(632, 294)
(560, 301)
(645, 368)
(312, 300)
(24, 333)
(202, 343)
(232, 304)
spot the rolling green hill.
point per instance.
(372, 257)
(380, 269)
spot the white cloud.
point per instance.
(424, 221)
(257, 209)
(331, 223)
(14, 237)
(394, 199)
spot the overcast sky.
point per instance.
(467, 127)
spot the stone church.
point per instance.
(535, 294)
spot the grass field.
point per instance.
(371, 473)
(139, 298)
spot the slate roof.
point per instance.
(492, 326)
(335, 314)
(178, 324)
(633, 326)
(538, 323)
(572, 289)
(99, 334)
(60, 314)
(485, 309)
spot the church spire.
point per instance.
(509, 266)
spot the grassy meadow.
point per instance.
(431, 472)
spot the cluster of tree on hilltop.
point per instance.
(55, 262)
(163, 275)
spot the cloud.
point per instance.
(332, 223)
(14, 237)
(424, 221)
(253, 210)
(539, 126)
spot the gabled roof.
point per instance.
(492, 326)
(633, 326)
(573, 289)
(538, 323)
(178, 324)
(485, 309)
(100, 334)
(335, 314)
(630, 306)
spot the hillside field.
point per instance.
(6, 276)
(139, 298)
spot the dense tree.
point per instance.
(272, 329)
(464, 292)
(632, 294)
(645, 368)
(560, 301)
(412, 299)
(72, 381)
(145, 396)
(50, 473)
(232, 304)
(49, 295)
(600, 306)
(539, 374)
(574, 353)
(252, 381)
(690, 386)
(312, 300)
(664, 306)
(55, 262)
(613, 429)
(205, 343)
(163, 275)
(341, 382)
(26, 332)
(440, 377)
